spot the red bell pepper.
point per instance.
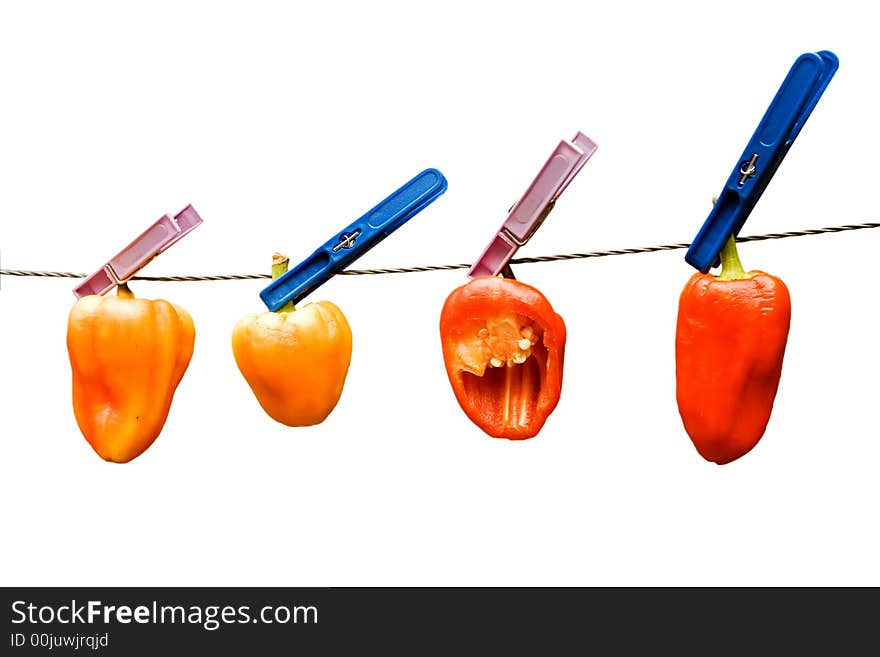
(503, 347)
(729, 346)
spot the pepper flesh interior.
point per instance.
(503, 364)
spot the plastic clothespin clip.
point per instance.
(783, 120)
(355, 240)
(153, 241)
(527, 214)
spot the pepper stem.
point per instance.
(123, 291)
(279, 267)
(731, 267)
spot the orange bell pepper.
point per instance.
(127, 356)
(294, 360)
(729, 346)
(503, 347)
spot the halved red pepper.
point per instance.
(503, 347)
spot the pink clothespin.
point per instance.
(153, 241)
(527, 215)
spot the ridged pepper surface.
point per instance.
(294, 360)
(730, 342)
(127, 356)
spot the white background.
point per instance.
(283, 122)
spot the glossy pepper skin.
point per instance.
(294, 360)
(503, 348)
(729, 347)
(128, 356)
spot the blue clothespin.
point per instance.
(355, 240)
(786, 115)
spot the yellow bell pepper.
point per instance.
(127, 356)
(295, 360)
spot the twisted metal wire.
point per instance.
(427, 268)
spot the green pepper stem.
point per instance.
(279, 267)
(731, 267)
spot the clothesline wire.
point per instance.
(427, 268)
